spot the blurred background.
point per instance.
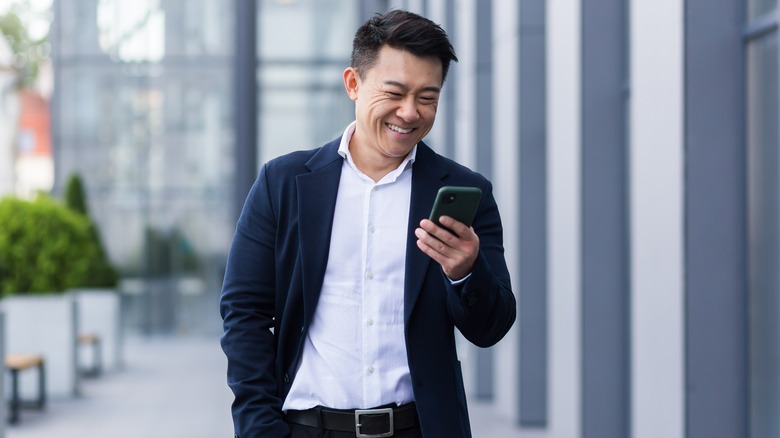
(633, 147)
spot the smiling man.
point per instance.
(341, 299)
(395, 106)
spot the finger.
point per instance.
(427, 248)
(433, 242)
(431, 252)
(447, 256)
(457, 227)
(438, 232)
(448, 265)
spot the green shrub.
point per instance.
(101, 272)
(74, 195)
(44, 247)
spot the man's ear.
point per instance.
(351, 82)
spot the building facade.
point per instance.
(9, 113)
(633, 147)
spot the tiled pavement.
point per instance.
(169, 387)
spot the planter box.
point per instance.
(99, 314)
(45, 325)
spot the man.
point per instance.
(340, 298)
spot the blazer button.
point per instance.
(286, 378)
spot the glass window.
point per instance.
(764, 235)
(304, 47)
(201, 27)
(757, 8)
(145, 115)
(302, 107)
(306, 29)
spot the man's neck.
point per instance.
(371, 163)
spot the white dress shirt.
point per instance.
(354, 355)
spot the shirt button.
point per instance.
(370, 370)
(371, 230)
(370, 275)
(370, 322)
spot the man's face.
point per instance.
(395, 103)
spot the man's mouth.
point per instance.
(399, 129)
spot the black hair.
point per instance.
(401, 30)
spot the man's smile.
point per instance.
(399, 129)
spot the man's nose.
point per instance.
(408, 110)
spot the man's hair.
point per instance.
(401, 30)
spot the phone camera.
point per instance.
(450, 198)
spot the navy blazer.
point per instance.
(276, 267)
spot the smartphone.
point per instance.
(459, 203)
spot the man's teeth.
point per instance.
(398, 129)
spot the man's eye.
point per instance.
(392, 94)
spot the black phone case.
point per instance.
(459, 203)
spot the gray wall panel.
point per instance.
(484, 152)
(605, 284)
(532, 317)
(452, 84)
(245, 95)
(716, 280)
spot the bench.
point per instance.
(15, 363)
(93, 340)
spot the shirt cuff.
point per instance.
(457, 282)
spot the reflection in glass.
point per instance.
(132, 31)
(302, 102)
(302, 114)
(144, 114)
(757, 8)
(306, 29)
(764, 235)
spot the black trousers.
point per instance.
(301, 431)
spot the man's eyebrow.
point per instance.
(405, 87)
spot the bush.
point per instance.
(74, 195)
(44, 247)
(101, 272)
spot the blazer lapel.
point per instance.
(317, 192)
(427, 178)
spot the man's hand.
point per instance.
(456, 253)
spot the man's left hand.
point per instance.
(456, 253)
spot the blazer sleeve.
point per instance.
(484, 307)
(247, 309)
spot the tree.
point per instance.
(101, 272)
(29, 53)
(74, 195)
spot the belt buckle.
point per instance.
(359, 412)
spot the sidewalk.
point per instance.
(170, 387)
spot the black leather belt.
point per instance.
(378, 422)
